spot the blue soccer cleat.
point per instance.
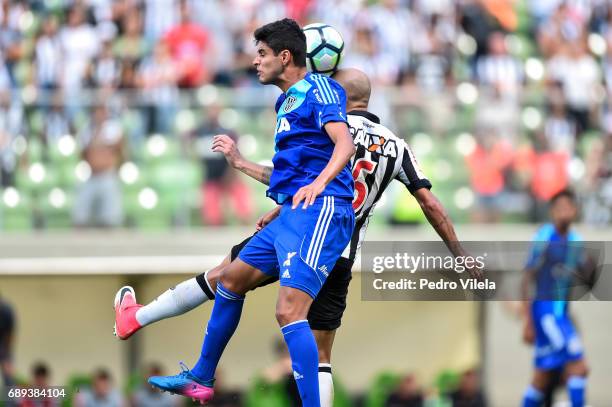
(185, 384)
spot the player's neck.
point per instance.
(562, 229)
(290, 77)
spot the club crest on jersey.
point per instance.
(375, 143)
(289, 102)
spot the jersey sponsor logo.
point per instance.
(289, 102)
(287, 262)
(282, 125)
(374, 143)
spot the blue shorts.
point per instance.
(556, 341)
(301, 246)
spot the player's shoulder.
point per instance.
(324, 90)
(544, 233)
(369, 122)
(574, 236)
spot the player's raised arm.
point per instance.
(343, 151)
(223, 143)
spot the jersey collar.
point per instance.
(300, 86)
(364, 113)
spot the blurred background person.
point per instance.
(407, 394)
(221, 181)
(148, 396)
(469, 392)
(7, 336)
(101, 394)
(189, 44)
(98, 200)
(41, 379)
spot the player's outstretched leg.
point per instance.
(130, 316)
(236, 280)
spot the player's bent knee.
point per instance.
(233, 281)
(292, 305)
(286, 316)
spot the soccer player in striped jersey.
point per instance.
(380, 158)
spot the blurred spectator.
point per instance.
(131, 45)
(11, 42)
(48, 55)
(559, 129)
(275, 386)
(98, 200)
(106, 70)
(223, 396)
(500, 76)
(561, 27)
(579, 75)
(498, 70)
(220, 180)
(188, 44)
(394, 26)
(598, 206)
(407, 394)
(367, 55)
(159, 17)
(41, 379)
(546, 170)
(101, 394)
(157, 79)
(487, 163)
(80, 44)
(7, 335)
(148, 396)
(469, 393)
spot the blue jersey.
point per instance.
(555, 258)
(303, 148)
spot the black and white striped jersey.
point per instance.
(380, 158)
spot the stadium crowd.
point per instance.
(522, 89)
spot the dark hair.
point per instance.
(284, 34)
(40, 369)
(102, 374)
(565, 193)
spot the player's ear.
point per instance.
(285, 57)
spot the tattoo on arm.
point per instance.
(266, 173)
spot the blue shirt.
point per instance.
(555, 258)
(303, 147)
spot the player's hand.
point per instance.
(222, 143)
(267, 218)
(308, 194)
(528, 333)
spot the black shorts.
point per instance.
(327, 309)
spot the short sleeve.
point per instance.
(539, 246)
(328, 100)
(410, 174)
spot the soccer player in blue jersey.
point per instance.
(556, 256)
(312, 181)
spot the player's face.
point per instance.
(563, 212)
(269, 66)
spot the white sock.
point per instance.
(175, 301)
(326, 385)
